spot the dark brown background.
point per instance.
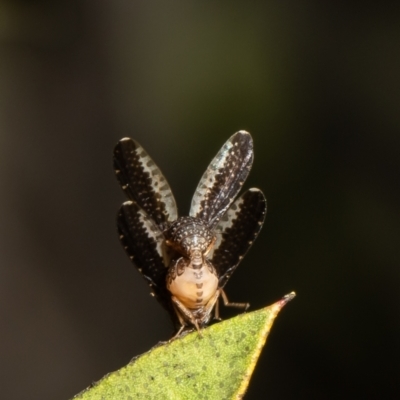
(318, 86)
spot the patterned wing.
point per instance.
(223, 179)
(143, 182)
(238, 228)
(144, 243)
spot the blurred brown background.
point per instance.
(317, 85)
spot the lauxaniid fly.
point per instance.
(188, 260)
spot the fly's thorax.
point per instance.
(191, 237)
(192, 286)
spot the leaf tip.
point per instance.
(271, 311)
(287, 298)
(276, 307)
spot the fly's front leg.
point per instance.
(210, 305)
(216, 313)
(184, 313)
(243, 306)
(181, 321)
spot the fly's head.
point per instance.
(191, 238)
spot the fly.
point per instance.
(188, 260)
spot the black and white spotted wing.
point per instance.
(143, 182)
(144, 243)
(223, 179)
(236, 232)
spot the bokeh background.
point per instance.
(318, 86)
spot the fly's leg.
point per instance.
(209, 307)
(243, 306)
(181, 321)
(184, 313)
(216, 313)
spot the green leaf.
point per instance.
(216, 365)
